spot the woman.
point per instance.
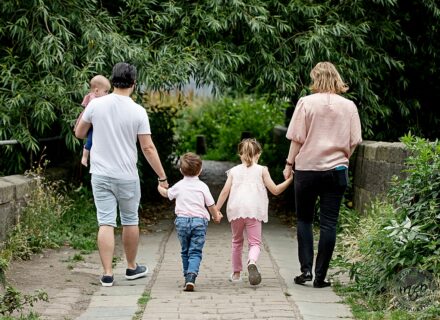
(324, 131)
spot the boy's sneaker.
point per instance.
(107, 281)
(139, 272)
(254, 274)
(190, 282)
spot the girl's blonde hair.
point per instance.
(325, 78)
(248, 149)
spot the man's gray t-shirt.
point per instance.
(117, 120)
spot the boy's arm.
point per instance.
(271, 186)
(224, 193)
(163, 192)
(216, 215)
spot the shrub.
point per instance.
(222, 123)
(162, 109)
(400, 232)
(54, 215)
(14, 301)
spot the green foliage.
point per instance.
(271, 46)
(376, 307)
(397, 233)
(222, 123)
(14, 301)
(162, 113)
(50, 49)
(52, 217)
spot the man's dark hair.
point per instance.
(123, 75)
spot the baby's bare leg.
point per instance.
(85, 157)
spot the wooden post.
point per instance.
(200, 144)
(245, 135)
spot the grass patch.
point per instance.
(377, 307)
(142, 302)
(55, 215)
(144, 299)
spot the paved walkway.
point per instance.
(215, 297)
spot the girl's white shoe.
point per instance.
(231, 278)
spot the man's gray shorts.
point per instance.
(109, 193)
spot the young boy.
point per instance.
(99, 86)
(192, 197)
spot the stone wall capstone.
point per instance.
(374, 166)
(14, 191)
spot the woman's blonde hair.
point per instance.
(325, 78)
(248, 149)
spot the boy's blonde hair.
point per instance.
(190, 164)
(248, 149)
(325, 78)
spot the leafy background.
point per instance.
(50, 49)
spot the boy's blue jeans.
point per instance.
(191, 233)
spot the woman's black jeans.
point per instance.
(329, 186)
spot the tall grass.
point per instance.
(399, 233)
(55, 215)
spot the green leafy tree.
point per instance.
(50, 49)
(49, 52)
(271, 46)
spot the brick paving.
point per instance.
(215, 297)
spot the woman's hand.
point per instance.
(287, 172)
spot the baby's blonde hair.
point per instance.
(325, 78)
(248, 149)
(99, 82)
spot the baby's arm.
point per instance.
(163, 192)
(224, 193)
(271, 186)
(216, 214)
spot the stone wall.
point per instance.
(375, 164)
(14, 191)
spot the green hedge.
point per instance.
(223, 121)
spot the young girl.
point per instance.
(247, 206)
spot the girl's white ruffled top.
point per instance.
(248, 196)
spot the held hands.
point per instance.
(216, 215)
(162, 187)
(288, 172)
(164, 184)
